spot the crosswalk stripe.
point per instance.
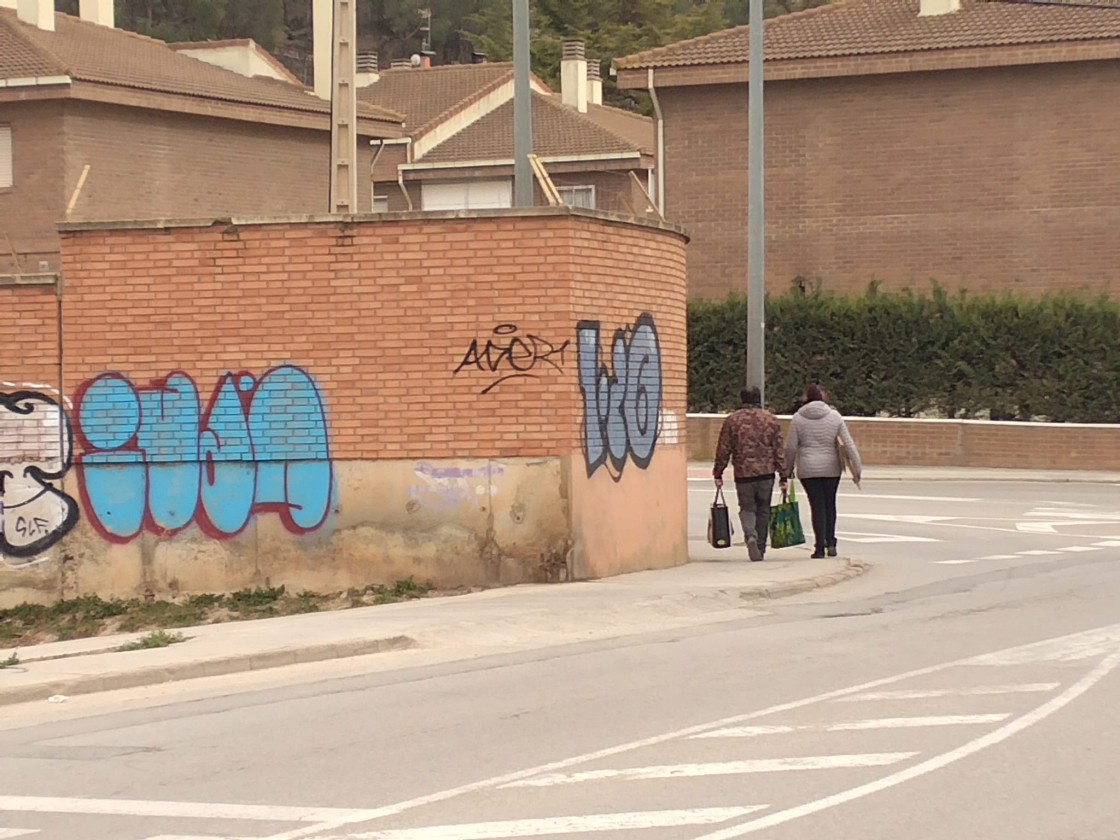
(561, 825)
(958, 562)
(10, 833)
(854, 725)
(1038, 552)
(1079, 548)
(719, 768)
(1000, 557)
(1108, 544)
(175, 810)
(918, 694)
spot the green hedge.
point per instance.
(902, 354)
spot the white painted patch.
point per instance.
(670, 430)
(909, 519)
(1108, 544)
(561, 825)
(1000, 557)
(1077, 549)
(979, 691)
(10, 833)
(917, 722)
(957, 562)
(1038, 552)
(1089, 645)
(719, 768)
(748, 731)
(177, 810)
(930, 765)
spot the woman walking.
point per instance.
(813, 449)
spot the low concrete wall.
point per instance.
(957, 443)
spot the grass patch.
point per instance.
(11, 662)
(155, 639)
(89, 615)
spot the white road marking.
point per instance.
(906, 519)
(719, 768)
(957, 562)
(10, 833)
(936, 763)
(177, 810)
(1108, 544)
(1038, 552)
(1052, 649)
(1074, 549)
(864, 537)
(910, 498)
(1000, 557)
(857, 725)
(920, 694)
(560, 825)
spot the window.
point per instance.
(578, 196)
(468, 195)
(5, 156)
(381, 204)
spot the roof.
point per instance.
(425, 95)
(89, 52)
(871, 27)
(247, 43)
(558, 130)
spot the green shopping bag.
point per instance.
(785, 522)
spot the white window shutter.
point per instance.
(5, 157)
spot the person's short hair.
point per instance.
(751, 396)
(814, 393)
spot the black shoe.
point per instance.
(831, 551)
(817, 555)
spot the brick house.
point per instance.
(166, 132)
(458, 149)
(971, 143)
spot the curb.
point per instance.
(208, 668)
(797, 587)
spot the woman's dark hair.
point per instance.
(814, 393)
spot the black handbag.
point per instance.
(719, 523)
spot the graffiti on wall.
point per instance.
(156, 458)
(448, 488)
(35, 452)
(506, 355)
(622, 400)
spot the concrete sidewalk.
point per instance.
(514, 618)
(698, 470)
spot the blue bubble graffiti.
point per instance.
(155, 458)
(622, 404)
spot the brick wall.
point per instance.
(35, 203)
(958, 443)
(322, 403)
(998, 178)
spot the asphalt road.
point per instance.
(966, 688)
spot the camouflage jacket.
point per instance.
(751, 438)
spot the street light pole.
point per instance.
(756, 212)
(522, 106)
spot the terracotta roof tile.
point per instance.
(92, 53)
(870, 27)
(423, 96)
(558, 130)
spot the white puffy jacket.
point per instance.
(811, 445)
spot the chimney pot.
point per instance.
(478, 58)
(574, 49)
(594, 83)
(97, 11)
(37, 13)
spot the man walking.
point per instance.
(751, 438)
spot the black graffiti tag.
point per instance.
(507, 355)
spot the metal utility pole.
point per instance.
(344, 110)
(756, 213)
(522, 107)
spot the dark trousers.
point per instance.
(754, 507)
(822, 502)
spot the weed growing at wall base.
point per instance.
(1002, 357)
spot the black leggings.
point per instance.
(822, 502)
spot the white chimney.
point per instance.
(573, 76)
(594, 83)
(38, 13)
(929, 8)
(322, 45)
(368, 72)
(97, 11)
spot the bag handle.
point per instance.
(719, 497)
